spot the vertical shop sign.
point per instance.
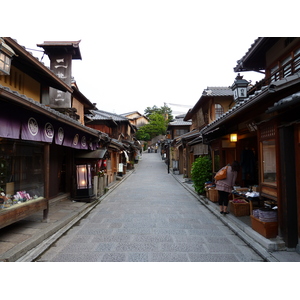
(61, 65)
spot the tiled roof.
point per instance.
(180, 122)
(218, 91)
(257, 96)
(239, 106)
(104, 115)
(285, 102)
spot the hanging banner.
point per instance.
(31, 129)
(9, 127)
(59, 135)
(75, 139)
(28, 125)
(36, 128)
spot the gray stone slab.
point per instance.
(150, 218)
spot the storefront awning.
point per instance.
(96, 154)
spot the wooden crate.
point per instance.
(266, 229)
(213, 195)
(240, 209)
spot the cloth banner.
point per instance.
(37, 128)
(10, 124)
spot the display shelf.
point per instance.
(20, 211)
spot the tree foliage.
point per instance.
(158, 122)
(165, 110)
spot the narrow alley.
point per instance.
(150, 217)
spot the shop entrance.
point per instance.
(248, 159)
(58, 170)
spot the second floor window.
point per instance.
(179, 132)
(219, 111)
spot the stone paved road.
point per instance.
(150, 217)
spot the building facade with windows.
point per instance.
(39, 142)
(213, 102)
(266, 123)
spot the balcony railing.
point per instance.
(287, 69)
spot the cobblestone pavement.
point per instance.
(150, 217)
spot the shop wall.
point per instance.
(101, 127)
(32, 88)
(80, 109)
(22, 83)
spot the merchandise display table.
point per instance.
(18, 212)
(254, 201)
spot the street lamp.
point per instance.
(84, 188)
(239, 88)
(6, 54)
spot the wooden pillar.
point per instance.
(288, 187)
(46, 179)
(297, 152)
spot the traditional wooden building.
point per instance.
(136, 119)
(122, 147)
(39, 142)
(265, 121)
(176, 129)
(213, 102)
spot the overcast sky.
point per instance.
(137, 54)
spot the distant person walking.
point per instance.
(225, 186)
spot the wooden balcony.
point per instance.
(290, 68)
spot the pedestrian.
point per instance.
(225, 186)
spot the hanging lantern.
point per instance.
(6, 54)
(233, 137)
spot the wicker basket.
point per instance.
(240, 209)
(213, 195)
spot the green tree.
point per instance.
(142, 135)
(201, 173)
(156, 126)
(165, 110)
(158, 122)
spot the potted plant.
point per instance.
(201, 173)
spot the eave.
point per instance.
(30, 104)
(255, 57)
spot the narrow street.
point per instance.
(150, 217)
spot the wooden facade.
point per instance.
(38, 143)
(267, 125)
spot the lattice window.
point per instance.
(219, 110)
(267, 132)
